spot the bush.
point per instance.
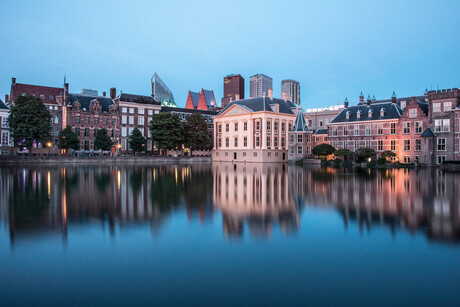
(381, 160)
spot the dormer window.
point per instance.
(382, 112)
(369, 113)
(358, 114)
(348, 114)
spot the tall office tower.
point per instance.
(159, 89)
(233, 89)
(259, 85)
(292, 89)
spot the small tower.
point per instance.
(300, 138)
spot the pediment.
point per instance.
(235, 110)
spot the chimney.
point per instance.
(104, 94)
(361, 97)
(113, 92)
(7, 97)
(13, 81)
(284, 95)
(345, 103)
(369, 100)
(413, 101)
(393, 97)
(237, 96)
(270, 93)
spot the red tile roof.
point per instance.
(18, 89)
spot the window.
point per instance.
(56, 131)
(283, 142)
(219, 143)
(369, 113)
(412, 113)
(219, 128)
(368, 143)
(131, 110)
(436, 107)
(276, 141)
(299, 149)
(104, 121)
(257, 141)
(131, 120)
(447, 106)
(393, 145)
(123, 119)
(245, 141)
(86, 131)
(380, 129)
(56, 119)
(442, 125)
(299, 138)
(347, 115)
(356, 145)
(406, 145)
(227, 127)
(77, 131)
(441, 142)
(236, 142)
(245, 126)
(96, 120)
(418, 127)
(86, 145)
(368, 129)
(141, 111)
(418, 145)
(269, 141)
(358, 114)
(227, 142)
(441, 159)
(123, 131)
(114, 133)
(356, 130)
(51, 96)
(345, 130)
(393, 128)
(334, 131)
(283, 127)
(345, 144)
(5, 138)
(406, 127)
(86, 120)
(114, 121)
(276, 126)
(403, 105)
(236, 126)
(124, 110)
(5, 122)
(150, 112)
(406, 159)
(269, 125)
(140, 120)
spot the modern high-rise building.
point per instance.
(233, 89)
(160, 91)
(292, 89)
(259, 85)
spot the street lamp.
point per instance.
(49, 147)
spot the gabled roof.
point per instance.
(137, 99)
(428, 133)
(210, 100)
(195, 98)
(423, 106)
(300, 125)
(262, 104)
(3, 106)
(392, 111)
(18, 89)
(87, 100)
(321, 131)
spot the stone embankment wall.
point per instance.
(21, 160)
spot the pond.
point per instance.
(228, 234)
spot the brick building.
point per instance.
(5, 141)
(204, 100)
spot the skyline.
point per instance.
(335, 50)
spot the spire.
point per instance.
(394, 95)
(300, 125)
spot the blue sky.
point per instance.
(334, 48)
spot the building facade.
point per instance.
(6, 142)
(292, 89)
(259, 85)
(319, 118)
(233, 89)
(160, 91)
(253, 130)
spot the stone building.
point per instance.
(300, 138)
(135, 111)
(6, 142)
(254, 130)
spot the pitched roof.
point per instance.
(398, 100)
(3, 106)
(321, 131)
(262, 104)
(137, 99)
(195, 98)
(392, 111)
(300, 125)
(423, 106)
(210, 100)
(87, 100)
(49, 93)
(428, 133)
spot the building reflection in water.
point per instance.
(256, 195)
(43, 201)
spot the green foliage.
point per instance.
(196, 133)
(323, 150)
(343, 152)
(68, 139)
(102, 140)
(137, 141)
(29, 121)
(364, 153)
(387, 154)
(381, 160)
(167, 130)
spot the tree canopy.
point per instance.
(137, 140)
(343, 152)
(323, 150)
(387, 154)
(167, 130)
(364, 153)
(68, 139)
(29, 121)
(196, 133)
(102, 140)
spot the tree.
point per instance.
(343, 152)
(29, 121)
(137, 140)
(167, 130)
(68, 139)
(102, 140)
(196, 133)
(387, 154)
(364, 153)
(323, 150)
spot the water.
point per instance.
(228, 235)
